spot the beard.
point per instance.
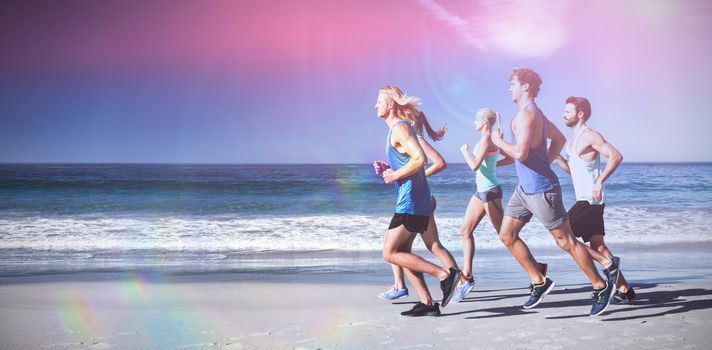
(570, 122)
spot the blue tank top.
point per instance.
(534, 173)
(412, 193)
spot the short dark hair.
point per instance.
(582, 105)
(527, 76)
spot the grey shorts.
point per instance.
(547, 207)
(495, 193)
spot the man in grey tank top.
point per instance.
(584, 151)
(539, 194)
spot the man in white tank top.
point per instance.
(584, 151)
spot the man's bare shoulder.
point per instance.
(524, 117)
(526, 114)
(591, 137)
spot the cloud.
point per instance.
(518, 28)
(461, 26)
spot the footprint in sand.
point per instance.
(386, 341)
(392, 328)
(233, 343)
(520, 334)
(61, 345)
(630, 332)
(624, 341)
(352, 324)
(305, 340)
(416, 346)
(445, 329)
(90, 345)
(262, 334)
(668, 337)
(693, 321)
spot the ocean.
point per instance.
(290, 218)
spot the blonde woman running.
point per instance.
(488, 197)
(409, 114)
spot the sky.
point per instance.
(295, 81)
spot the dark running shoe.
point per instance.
(421, 309)
(449, 285)
(538, 293)
(613, 271)
(602, 298)
(624, 298)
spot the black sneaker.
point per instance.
(421, 309)
(602, 298)
(613, 271)
(538, 293)
(624, 298)
(449, 285)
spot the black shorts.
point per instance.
(587, 219)
(412, 223)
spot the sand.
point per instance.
(144, 312)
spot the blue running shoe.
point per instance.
(539, 292)
(462, 290)
(394, 293)
(623, 298)
(602, 298)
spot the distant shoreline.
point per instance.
(642, 263)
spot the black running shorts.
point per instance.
(587, 219)
(412, 223)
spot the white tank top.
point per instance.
(584, 174)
